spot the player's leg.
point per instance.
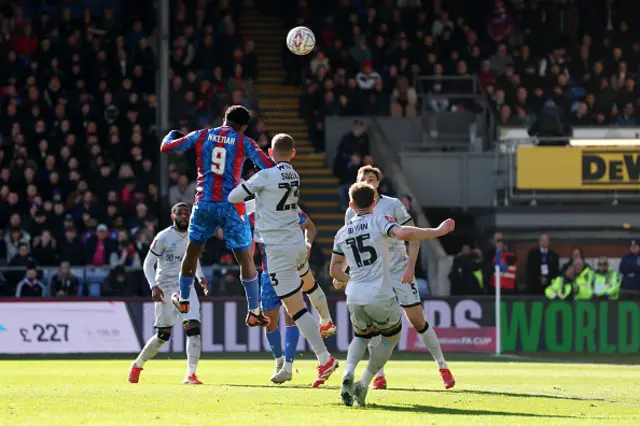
(191, 323)
(271, 306)
(318, 299)
(187, 275)
(387, 318)
(283, 271)
(415, 315)
(363, 332)
(380, 382)
(237, 235)
(165, 318)
(291, 337)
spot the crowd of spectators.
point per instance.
(580, 55)
(79, 183)
(577, 278)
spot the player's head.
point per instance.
(371, 175)
(362, 196)
(237, 117)
(180, 215)
(282, 147)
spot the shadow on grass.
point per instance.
(458, 392)
(418, 408)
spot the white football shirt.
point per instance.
(169, 246)
(364, 241)
(392, 207)
(277, 191)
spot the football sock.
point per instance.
(151, 349)
(355, 353)
(373, 342)
(252, 291)
(194, 347)
(379, 357)
(319, 301)
(185, 286)
(309, 329)
(275, 342)
(431, 342)
(291, 336)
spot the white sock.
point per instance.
(375, 341)
(288, 366)
(194, 346)
(309, 329)
(431, 342)
(279, 362)
(355, 354)
(151, 349)
(319, 301)
(379, 357)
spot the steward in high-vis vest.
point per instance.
(583, 284)
(606, 281)
(560, 287)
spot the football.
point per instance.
(301, 41)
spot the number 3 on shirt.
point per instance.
(218, 160)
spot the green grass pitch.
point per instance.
(96, 392)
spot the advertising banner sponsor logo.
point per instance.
(560, 168)
(586, 327)
(223, 328)
(457, 339)
(66, 327)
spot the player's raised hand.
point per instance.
(157, 295)
(447, 226)
(205, 286)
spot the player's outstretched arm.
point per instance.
(257, 155)
(247, 189)
(176, 141)
(238, 194)
(411, 233)
(338, 266)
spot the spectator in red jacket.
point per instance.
(26, 43)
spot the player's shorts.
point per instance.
(166, 315)
(381, 315)
(206, 217)
(286, 261)
(407, 294)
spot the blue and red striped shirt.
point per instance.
(220, 155)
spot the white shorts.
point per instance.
(166, 315)
(286, 263)
(381, 315)
(407, 294)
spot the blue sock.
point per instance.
(185, 287)
(291, 337)
(275, 341)
(252, 290)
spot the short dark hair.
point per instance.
(369, 169)
(237, 115)
(178, 206)
(282, 143)
(362, 195)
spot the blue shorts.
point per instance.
(268, 296)
(206, 217)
